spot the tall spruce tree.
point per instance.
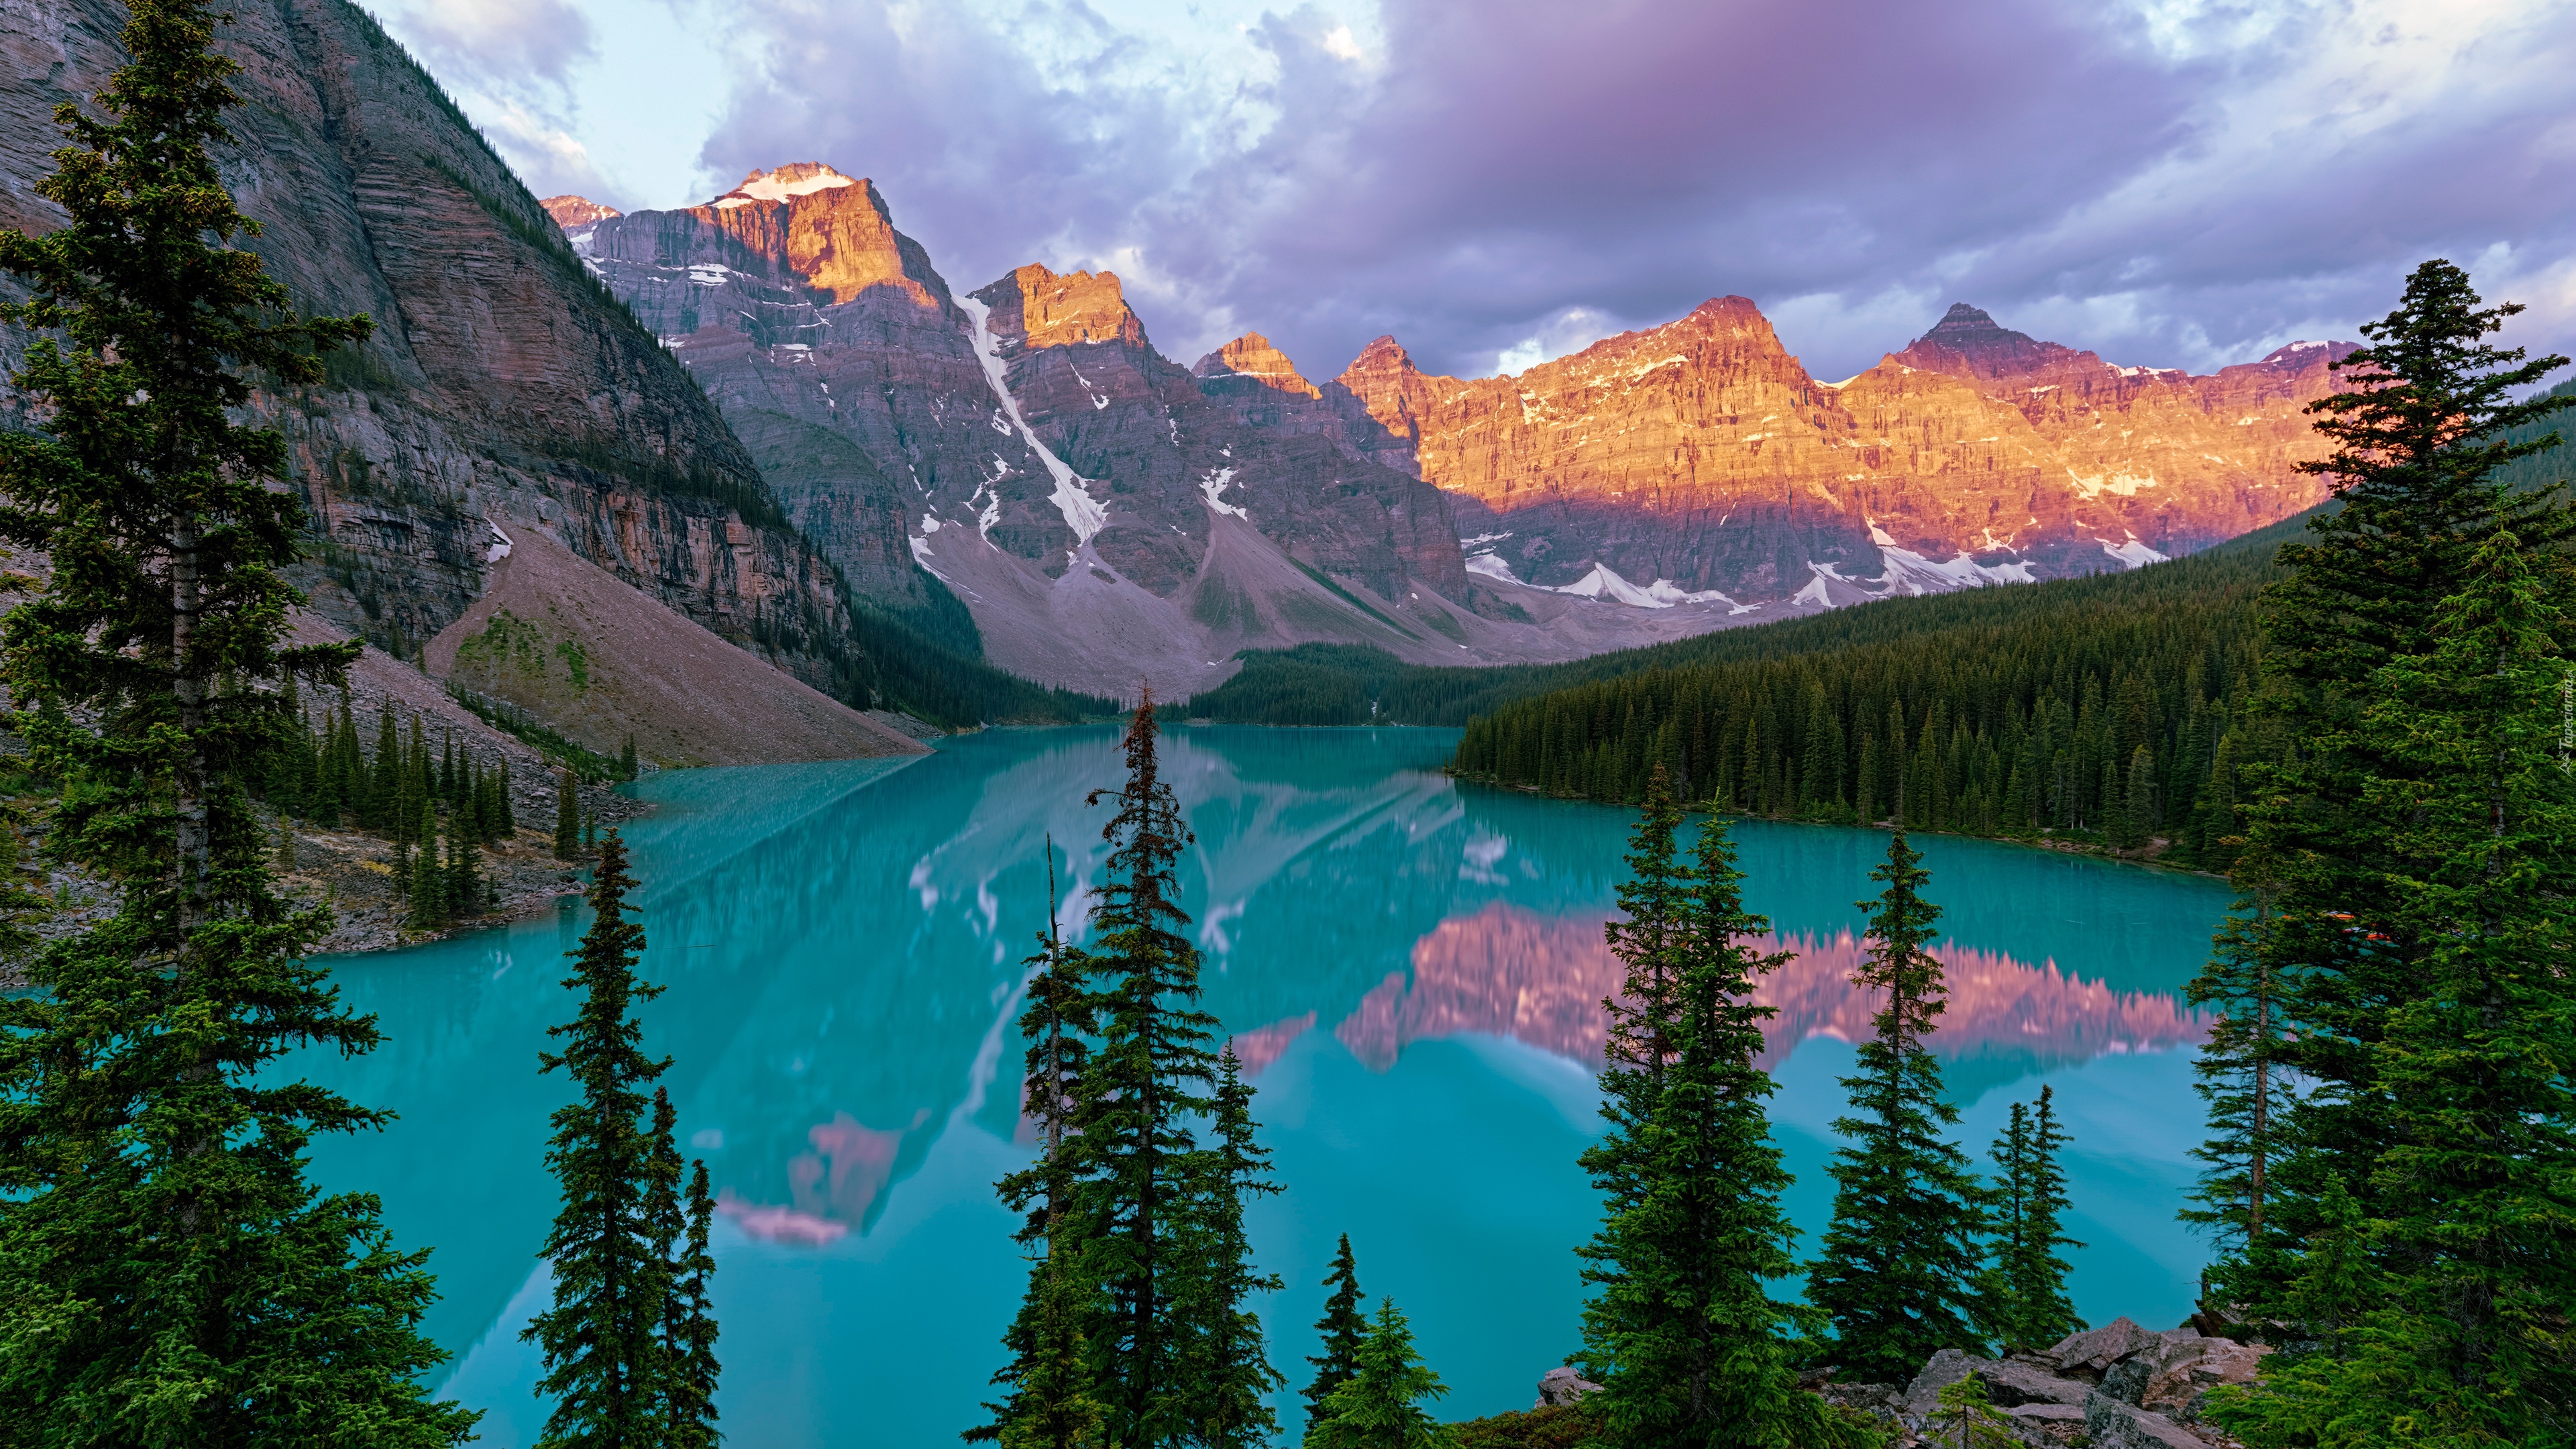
(2452, 1329)
(1342, 1329)
(166, 1272)
(1902, 1268)
(600, 1338)
(1381, 1406)
(1141, 1214)
(2246, 1095)
(2028, 1306)
(690, 1369)
(1684, 1336)
(1046, 1377)
(2420, 437)
(567, 817)
(1146, 1081)
(1224, 1360)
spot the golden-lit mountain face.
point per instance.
(1702, 453)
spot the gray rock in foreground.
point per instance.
(1563, 1386)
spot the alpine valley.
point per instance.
(772, 418)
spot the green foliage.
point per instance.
(1139, 1197)
(1683, 1335)
(1312, 684)
(567, 817)
(1902, 1269)
(2407, 873)
(929, 681)
(167, 1275)
(2027, 1298)
(1550, 1426)
(1964, 1417)
(2420, 440)
(1381, 1406)
(599, 1337)
(588, 763)
(1341, 1329)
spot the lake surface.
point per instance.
(1413, 968)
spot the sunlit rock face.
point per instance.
(1540, 980)
(1702, 453)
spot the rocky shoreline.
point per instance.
(2120, 1386)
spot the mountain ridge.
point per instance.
(1095, 501)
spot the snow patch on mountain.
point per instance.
(2131, 554)
(2094, 485)
(1492, 566)
(1083, 514)
(1212, 487)
(1606, 583)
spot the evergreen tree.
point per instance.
(2420, 439)
(1901, 1270)
(1964, 1416)
(505, 820)
(1342, 1328)
(2245, 1095)
(567, 817)
(426, 893)
(1144, 1083)
(1684, 1336)
(626, 765)
(1055, 1407)
(689, 1342)
(2471, 1231)
(167, 1274)
(1225, 1367)
(2028, 1305)
(1144, 1216)
(385, 776)
(1043, 1385)
(599, 1338)
(466, 893)
(1381, 1406)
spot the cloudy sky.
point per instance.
(1496, 182)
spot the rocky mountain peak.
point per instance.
(1039, 308)
(572, 211)
(795, 179)
(1252, 357)
(1968, 342)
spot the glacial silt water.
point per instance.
(1412, 968)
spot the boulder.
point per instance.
(2112, 1424)
(2091, 1353)
(1864, 1397)
(1563, 1386)
(1946, 1368)
(2008, 1383)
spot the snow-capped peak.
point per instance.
(797, 178)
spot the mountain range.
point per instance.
(773, 419)
(1106, 514)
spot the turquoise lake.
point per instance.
(1413, 967)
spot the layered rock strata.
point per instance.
(500, 378)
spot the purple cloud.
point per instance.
(2168, 184)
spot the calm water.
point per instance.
(1413, 968)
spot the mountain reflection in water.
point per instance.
(1540, 980)
(1414, 968)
